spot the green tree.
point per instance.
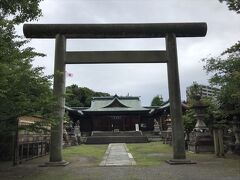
(24, 90)
(189, 121)
(20, 11)
(211, 112)
(233, 5)
(194, 93)
(81, 96)
(195, 98)
(225, 71)
(157, 101)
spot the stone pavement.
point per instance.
(117, 155)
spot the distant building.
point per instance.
(117, 112)
(115, 119)
(206, 91)
(112, 112)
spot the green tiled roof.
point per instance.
(115, 103)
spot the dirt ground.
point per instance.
(208, 167)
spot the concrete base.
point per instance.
(106, 137)
(179, 161)
(201, 148)
(55, 164)
(116, 139)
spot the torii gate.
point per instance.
(169, 31)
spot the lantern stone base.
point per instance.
(179, 161)
(200, 148)
(55, 164)
(201, 142)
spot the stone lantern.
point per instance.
(168, 136)
(156, 126)
(200, 139)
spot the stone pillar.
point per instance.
(58, 91)
(175, 98)
(218, 142)
(221, 144)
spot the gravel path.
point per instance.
(206, 169)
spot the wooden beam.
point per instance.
(103, 57)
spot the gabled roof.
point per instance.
(115, 103)
(166, 106)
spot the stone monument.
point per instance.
(168, 133)
(156, 129)
(77, 132)
(66, 141)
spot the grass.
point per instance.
(91, 155)
(78, 156)
(155, 153)
(150, 154)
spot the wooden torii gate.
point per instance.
(169, 31)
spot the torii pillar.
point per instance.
(56, 157)
(179, 154)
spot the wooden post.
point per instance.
(58, 91)
(216, 144)
(220, 140)
(42, 148)
(27, 151)
(175, 98)
(22, 148)
(16, 144)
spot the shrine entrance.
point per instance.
(169, 31)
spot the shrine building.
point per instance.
(113, 113)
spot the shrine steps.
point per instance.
(106, 137)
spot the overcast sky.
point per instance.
(145, 80)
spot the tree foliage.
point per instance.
(233, 49)
(225, 70)
(195, 98)
(211, 114)
(194, 93)
(24, 89)
(189, 120)
(20, 11)
(81, 96)
(157, 101)
(226, 74)
(233, 5)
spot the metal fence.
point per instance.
(31, 146)
(23, 148)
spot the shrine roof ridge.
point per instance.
(115, 96)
